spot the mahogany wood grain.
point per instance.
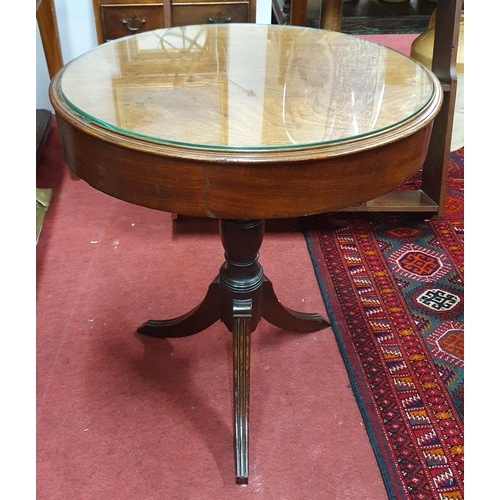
(167, 13)
(120, 20)
(298, 12)
(110, 14)
(216, 185)
(331, 14)
(234, 12)
(435, 168)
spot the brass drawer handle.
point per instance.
(218, 19)
(134, 23)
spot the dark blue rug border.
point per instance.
(393, 486)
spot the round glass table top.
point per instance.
(246, 86)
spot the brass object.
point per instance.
(42, 204)
(422, 50)
(423, 46)
(219, 19)
(134, 23)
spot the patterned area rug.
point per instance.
(393, 289)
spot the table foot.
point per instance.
(278, 315)
(205, 314)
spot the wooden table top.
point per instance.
(241, 95)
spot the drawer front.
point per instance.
(198, 13)
(124, 20)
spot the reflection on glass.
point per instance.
(170, 80)
(325, 92)
(245, 86)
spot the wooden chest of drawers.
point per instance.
(117, 18)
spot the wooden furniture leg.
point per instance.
(435, 170)
(167, 13)
(239, 296)
(200, 318)
(430, 198)
(47, 24)
(298, 12)
(242, 314)
(331, 15)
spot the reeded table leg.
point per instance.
(239, 297)
(242, 312)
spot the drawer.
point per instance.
(123, 20)
(206, 13)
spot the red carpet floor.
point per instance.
(125, 417)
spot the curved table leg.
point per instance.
(205, 314)
(287, 319)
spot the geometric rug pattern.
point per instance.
(393, 286)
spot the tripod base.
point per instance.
(239, 296)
